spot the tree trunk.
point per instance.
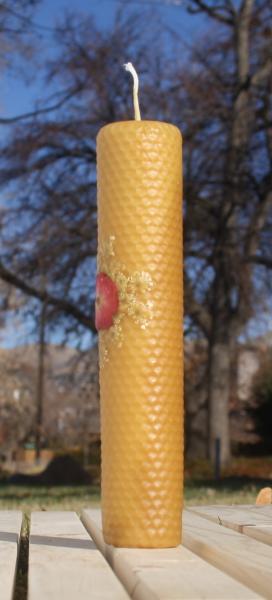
(222, 339)
(221, 343)
(40, 383)
(218, 399)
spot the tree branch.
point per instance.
(261, 260)
(218, 13)
(262, 73)
(257, 223)
(40, 111)
(63, 305)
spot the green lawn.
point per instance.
(240, 484)
(229, 491)
(28, 498)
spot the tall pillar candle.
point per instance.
(139, 289)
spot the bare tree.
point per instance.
(48, 166)
(222, 102)
(228, 186)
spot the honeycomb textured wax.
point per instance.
(140, 249)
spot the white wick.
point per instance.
(129, 67)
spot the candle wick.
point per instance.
(130, 68)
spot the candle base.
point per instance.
(140, 539)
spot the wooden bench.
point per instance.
(226, 554)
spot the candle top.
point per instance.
(145, 126)
(138, 124)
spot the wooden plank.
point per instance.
(235, 517)
(242, 557)
(165, 574)
(10, 527)
(252, 520)
(262, 533)
(65, 563)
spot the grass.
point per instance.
(240, 484)
(229, 491)
(29, 498)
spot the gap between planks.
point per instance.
(254, 521)
(65, 563)
(247, 560)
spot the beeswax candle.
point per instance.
(139, 288)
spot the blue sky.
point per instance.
(17, 96)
